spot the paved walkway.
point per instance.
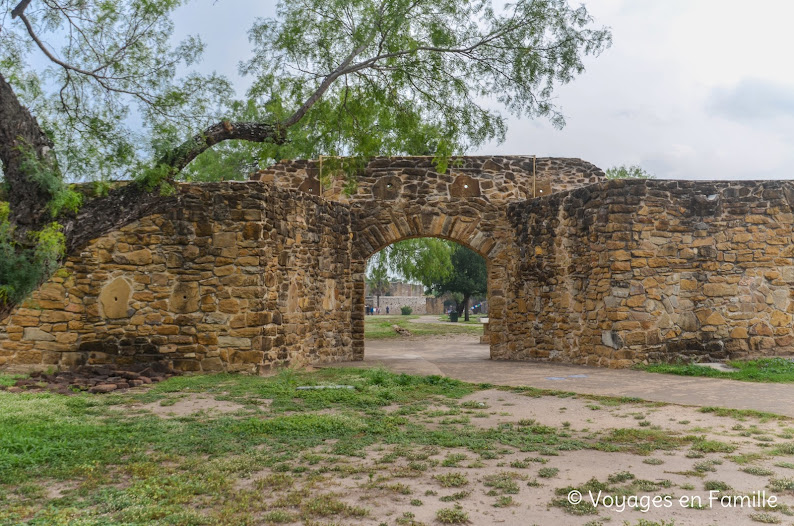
(464, 358)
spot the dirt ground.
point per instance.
(406, 485)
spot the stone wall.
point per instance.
(418, 304)
(240, 276)
(247, 276)
(397, 288)
(636, 271)
(500, 178)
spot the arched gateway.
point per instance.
(252, 275)
(405, 197)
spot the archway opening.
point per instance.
(426, 299)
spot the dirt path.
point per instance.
(463, 357)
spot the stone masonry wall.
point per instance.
(508, 177)
(247, 276)
(640, 271)
(240, 276)
(418, 304)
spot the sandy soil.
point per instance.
(394, 488)
(189, 404)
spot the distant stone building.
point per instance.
(403, 295)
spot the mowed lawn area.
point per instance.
(374, 447)
(378, 327)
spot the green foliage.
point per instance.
(628, 172)
(23, 268)
(46, 174)
(141, 98)
(420, 93)
(425, 259)
(406, 311)
(409, 78)
(378, 277)
(468, 278)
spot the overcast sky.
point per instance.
(694, 89)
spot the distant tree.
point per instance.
(378, 277)
(425, 259)
(469, 278)
(628, 172)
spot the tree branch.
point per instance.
(20, 8)
(181, 156)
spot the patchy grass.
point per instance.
(761, 370)
(297, 456)
(7, 380)
(454, 515)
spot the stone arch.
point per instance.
(473, 223)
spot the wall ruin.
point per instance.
(248, 276)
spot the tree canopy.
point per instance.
(628, 172)
(468, 278)
(96, 91)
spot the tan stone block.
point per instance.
(36, 334)
(779, 319)
(211, 365)
(739, 332)
(720, 289)
(248, 357)
(715, 318)
(636, 301)
(114, 299)
(56, 316)
(230, 306)
(224, 239)
(28, 357)
(137, 257)
(689, 284)
(185, 298)
(224, 271)
(25, 321)
(66, 338)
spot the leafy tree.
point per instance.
(469, 278)
(334, 77)
(378, 277)
(628, 172)
(425, 259)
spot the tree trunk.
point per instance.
(466, 307)
(21, 137)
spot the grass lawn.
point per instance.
(473, 319)
(380, 327)
(395, 449)
(761, 370)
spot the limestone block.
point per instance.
(464, 186)
(115, 298)
(36, 334)
(185, 298)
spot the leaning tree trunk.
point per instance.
(21, 141)
(22, 144)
